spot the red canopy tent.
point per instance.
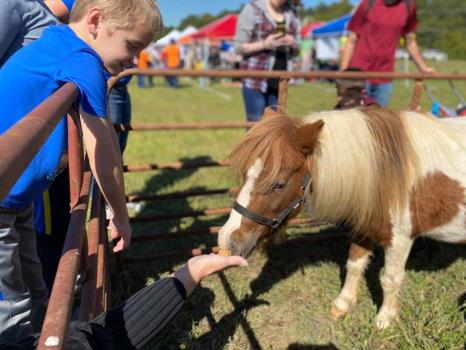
(307, 29)
(220, 29)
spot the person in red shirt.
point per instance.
(375, 30)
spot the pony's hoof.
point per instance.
(383, 321)
(338, 310)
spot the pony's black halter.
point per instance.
(275, 223)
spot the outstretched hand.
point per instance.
(199, 267)
(121, 233)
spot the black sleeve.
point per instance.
(133, 325)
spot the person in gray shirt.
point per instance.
(21, 22)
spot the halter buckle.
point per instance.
(275, 224)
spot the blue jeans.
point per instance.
(380, 92)
(173, 82)
(120, 111)
(141, 80)
(255, 102)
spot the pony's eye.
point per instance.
(279, 186)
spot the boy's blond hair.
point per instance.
(122, 14)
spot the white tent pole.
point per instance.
(204, 81)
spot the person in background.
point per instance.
(84, 53)
(21, 22)
(157, 304)
(375, 30)
(224, 46)
(60, 8)
(143, 63)
(171, 55)
(267, 37)
(119, 102)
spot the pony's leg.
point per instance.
(358, 259)
(391, 278)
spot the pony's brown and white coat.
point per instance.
(392, 176)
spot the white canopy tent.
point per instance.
(188, 31)
(175, 34)
(328, 36)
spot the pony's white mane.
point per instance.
(362, 170)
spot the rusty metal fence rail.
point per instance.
(19, 145)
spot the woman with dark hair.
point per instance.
(267, 35)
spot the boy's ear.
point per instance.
(307, 136)
(94, 19)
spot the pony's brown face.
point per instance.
(268, 199)
(240, 234)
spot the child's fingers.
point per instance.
(119, 246)
(232, 260)
(237, 261)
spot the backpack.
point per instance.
(407, 3)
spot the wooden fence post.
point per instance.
(283, 93)
(417, 93)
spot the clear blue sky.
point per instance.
(173, 11)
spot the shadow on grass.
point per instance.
(135, 277)
(462, 305)
(277, 268)
(426, 255)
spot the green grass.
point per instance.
(277, 302)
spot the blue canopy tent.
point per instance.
(336, 27)
(327, 38)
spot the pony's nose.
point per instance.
(230, 243)
(236, 249)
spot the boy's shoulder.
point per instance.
(58, 57)
(64, 41)
(58, 50)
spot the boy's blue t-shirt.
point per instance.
(29, 78)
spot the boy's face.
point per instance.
(119, 48)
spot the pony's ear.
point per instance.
(307, 135)
(270, 112)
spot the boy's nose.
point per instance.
(135, 60)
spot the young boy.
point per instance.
(103, 38)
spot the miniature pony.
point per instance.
(391, 176)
